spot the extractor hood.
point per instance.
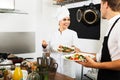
(8, 6)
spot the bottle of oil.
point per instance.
(17, 75)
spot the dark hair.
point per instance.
(113, 4)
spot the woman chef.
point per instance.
(63, 37)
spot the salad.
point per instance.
(65, 49)
(75, 57)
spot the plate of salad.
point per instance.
(65, 49)
(77, 56)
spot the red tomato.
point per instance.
(76, 58)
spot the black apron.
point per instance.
(105, 74)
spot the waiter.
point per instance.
(108, 59)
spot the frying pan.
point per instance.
(79, 15)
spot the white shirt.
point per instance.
(66, 38)
(113, 41)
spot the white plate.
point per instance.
(87, 54)
(66, 51)
(84, 54)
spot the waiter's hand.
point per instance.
(88, 63)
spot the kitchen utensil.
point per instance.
(91, 15)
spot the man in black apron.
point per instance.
(109, 69)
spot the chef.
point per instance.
(63, 37)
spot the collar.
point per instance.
(112, 20)
(63, 30)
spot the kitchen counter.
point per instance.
(60, 76)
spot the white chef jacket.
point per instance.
(66, 38)
(113, 41)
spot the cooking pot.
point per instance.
(91, 15)
(79, 15)
(48, 62)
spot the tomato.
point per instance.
(76, 58)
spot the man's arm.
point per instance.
(111, 65)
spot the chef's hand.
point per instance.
(76, 50)
(44, 44)
(89, 62)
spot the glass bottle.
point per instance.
(34, 75)
(44, 65)
(17, 75)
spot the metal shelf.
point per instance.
(63, 2)
(12, 11)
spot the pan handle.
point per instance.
(54, 67)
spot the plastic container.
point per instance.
(17, 75)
